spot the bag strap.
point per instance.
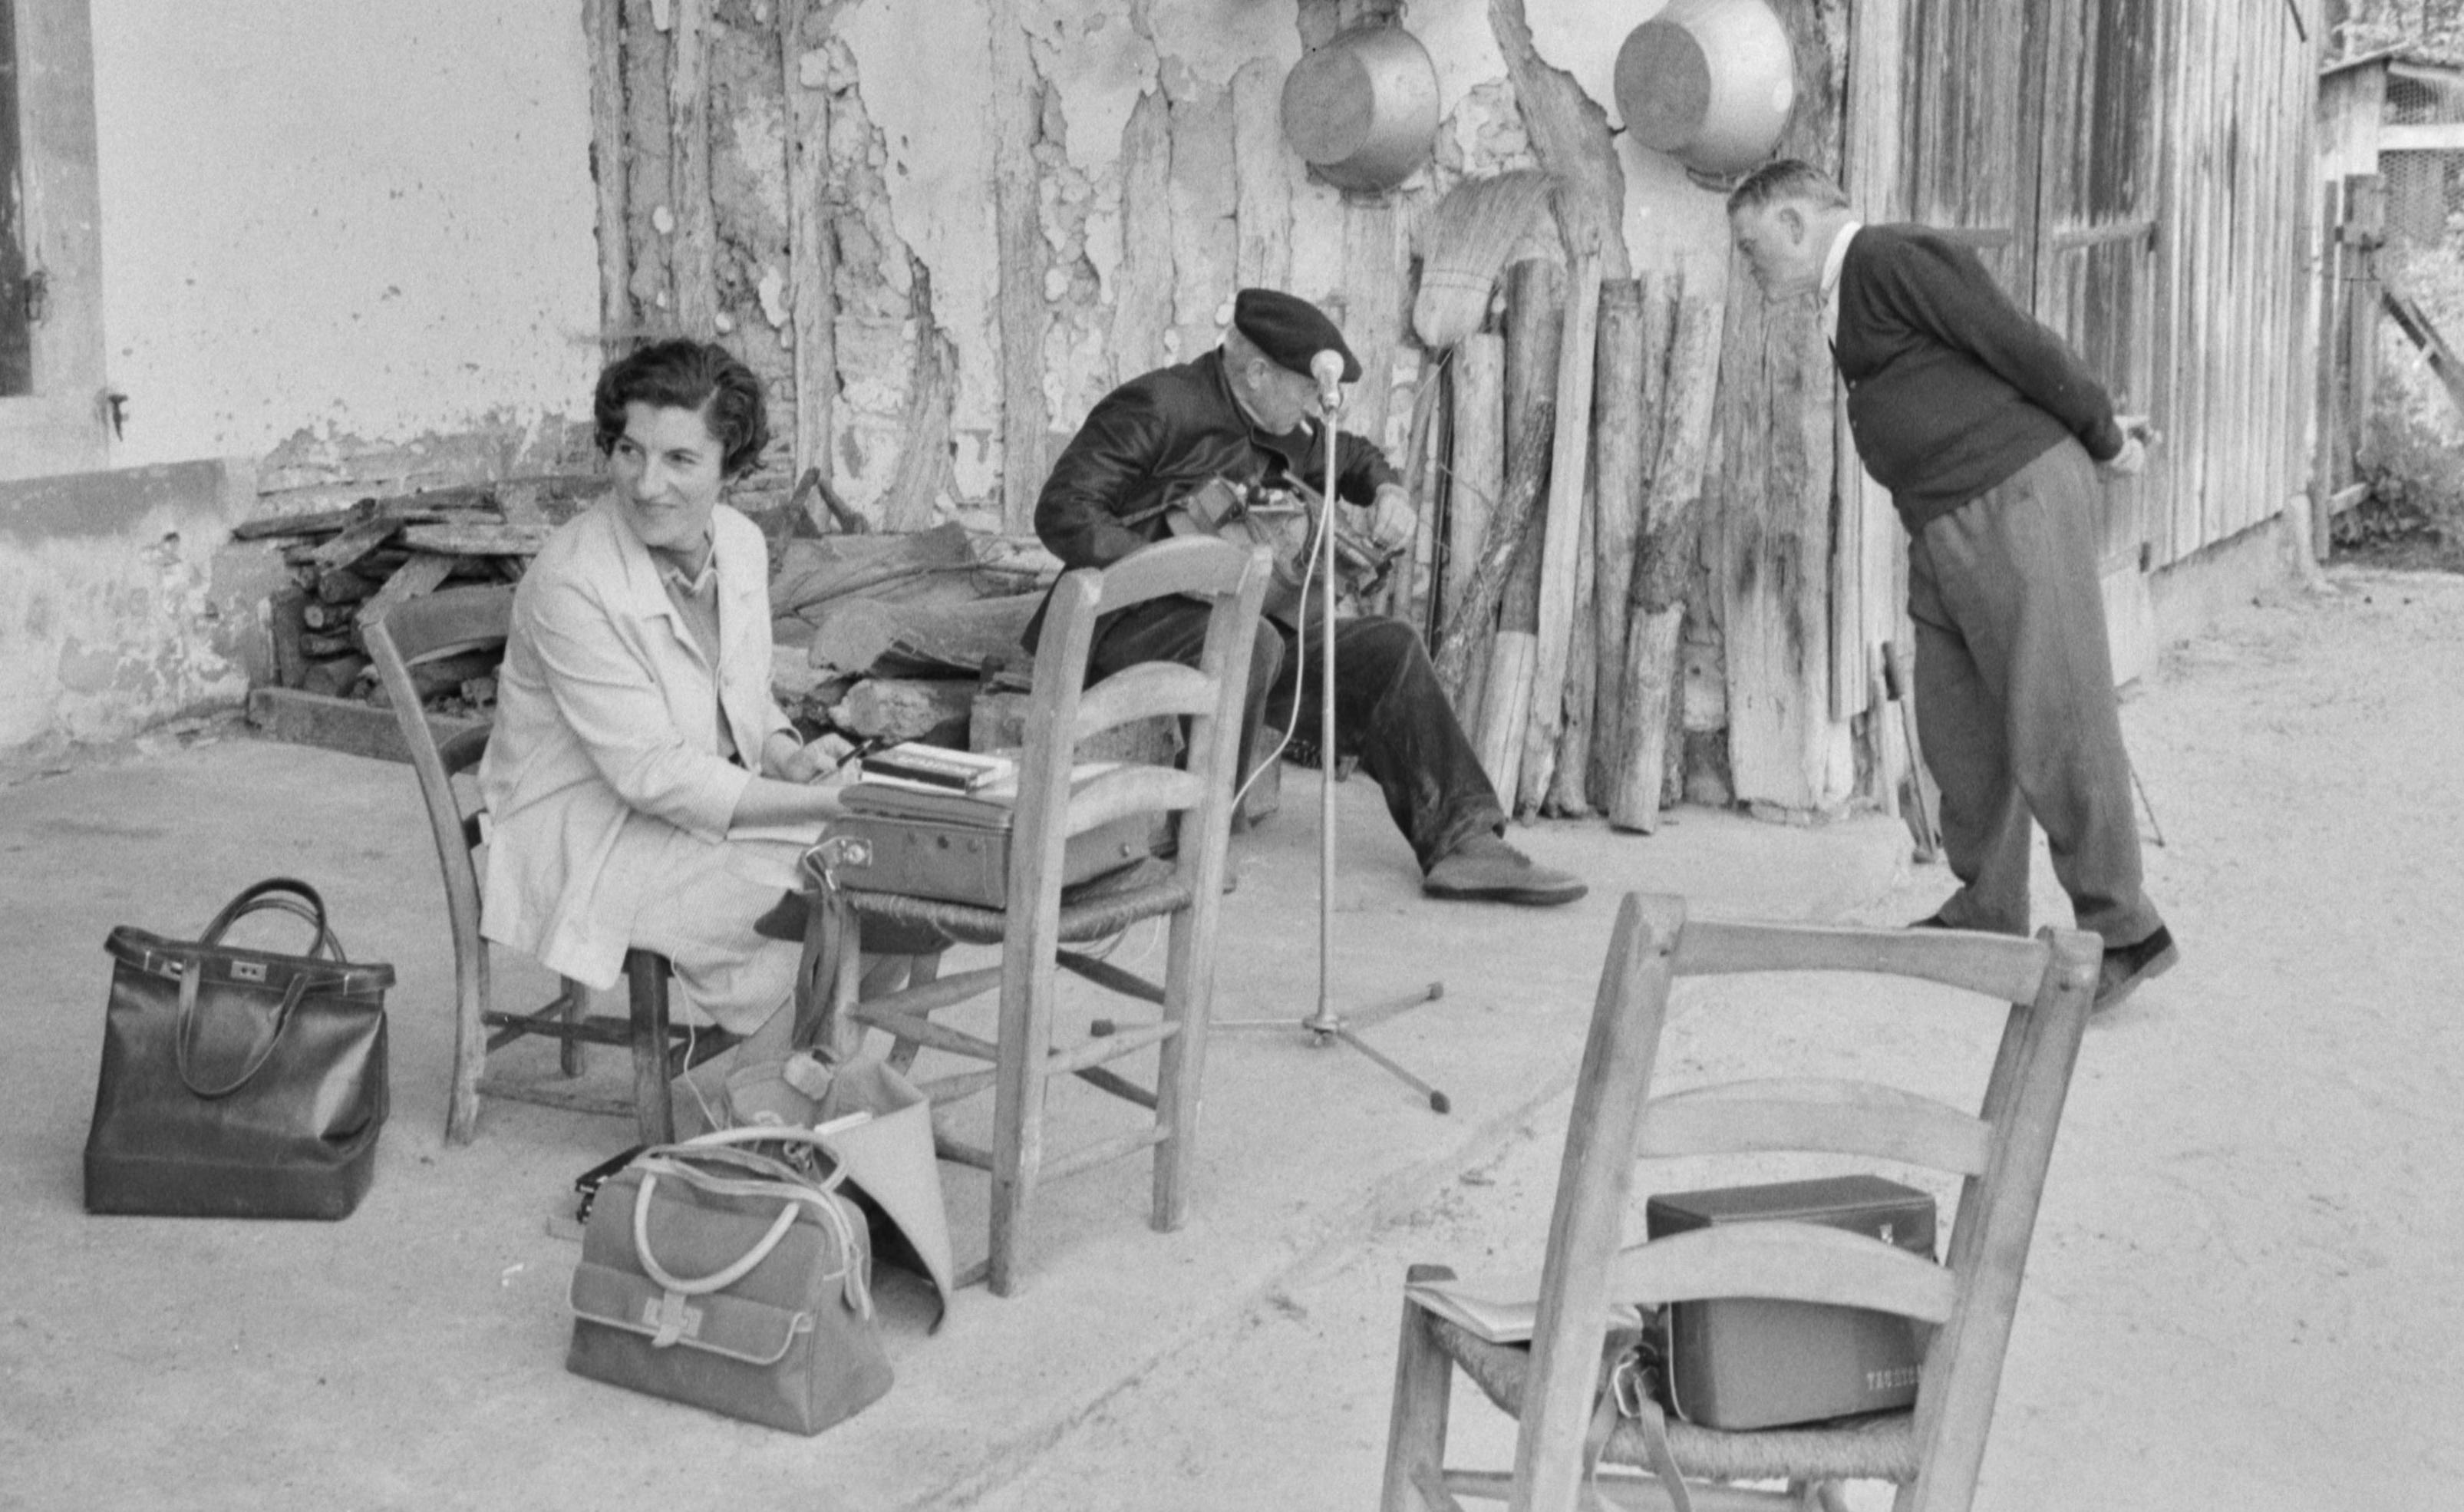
(301, 900)
(192, 976)
(1626, 1390)
(767, 1178)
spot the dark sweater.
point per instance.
(1952, 387)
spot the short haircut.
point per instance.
(680, 374)
(1785, 179)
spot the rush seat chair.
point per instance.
(1043, 931)
(1569, 1417)
(428, 629)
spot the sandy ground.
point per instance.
(2246, 1290)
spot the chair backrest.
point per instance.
(2041, 986)
(1063, 712)
(421, 629)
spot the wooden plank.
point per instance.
(355, 542)
(1017, 108)
(693, 246)
(1569, 794)
(603, 20)
(646, 166)
(1260, 176)
(1664, 564)
(812, 250)
(1142, 300)
(1630, 364)
(419, 575)
(1476, 483)
(1561, 539)
(1777, 451)
(342, 725)
(477, 540)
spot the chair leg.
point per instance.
(1026, 1038)
(1188, 984)
(470, 1040)
(577, 1002)
(645, 981)
(1416, 1435)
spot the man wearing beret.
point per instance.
(1247, 414)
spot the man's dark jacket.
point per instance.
(1159, 437)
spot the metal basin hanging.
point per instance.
(1363, 109)
(1710, 83)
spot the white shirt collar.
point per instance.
(1834, 260)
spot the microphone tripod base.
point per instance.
(1326, 1027)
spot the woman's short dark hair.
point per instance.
(681, 374)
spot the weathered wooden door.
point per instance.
(2030, 127)
(2093, 259)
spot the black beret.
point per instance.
(1290, 331)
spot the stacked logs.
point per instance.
(1570, 518)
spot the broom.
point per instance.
(1470, 236)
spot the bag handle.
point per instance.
(193, 973)
(301, 900)
(769, 1177)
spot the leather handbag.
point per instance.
(238, 1084)
(724, 1278)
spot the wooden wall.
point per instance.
(2233, 381)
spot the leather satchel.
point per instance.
(724, 1278)
(238, 1084)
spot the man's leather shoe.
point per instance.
(1486, 869)
(2125, 966)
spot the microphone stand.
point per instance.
(1326, 1027)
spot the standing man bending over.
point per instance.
(1247, 415)
(1988, 431)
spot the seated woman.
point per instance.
(644, 786)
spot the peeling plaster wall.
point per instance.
(1161, 183)
(119, 605)
(330, 230)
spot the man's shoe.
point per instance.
(1931, 921)
(2125, 966)
(1486, 869)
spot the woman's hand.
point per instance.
(790, 760)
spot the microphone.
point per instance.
(1327, 368)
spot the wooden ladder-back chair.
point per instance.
(1038, 929)
(2001, 1154)
(446, 624)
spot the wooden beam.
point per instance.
(1561, 546)
(1016, 110)
(605, 20)
(2442, 136)
(812, 251)
(694, 243)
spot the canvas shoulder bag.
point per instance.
(724, 1278)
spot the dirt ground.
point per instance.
(2246, 1289)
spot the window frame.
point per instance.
(60, 427)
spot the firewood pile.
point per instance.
(351, 566)
(1562, 460)
(877, 636)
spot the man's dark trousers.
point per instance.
(1389, 710)
(2015, 701)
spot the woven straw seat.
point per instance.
(1093, 912)
(1881, 1446)
(1553, 1386)
(1056, 800)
